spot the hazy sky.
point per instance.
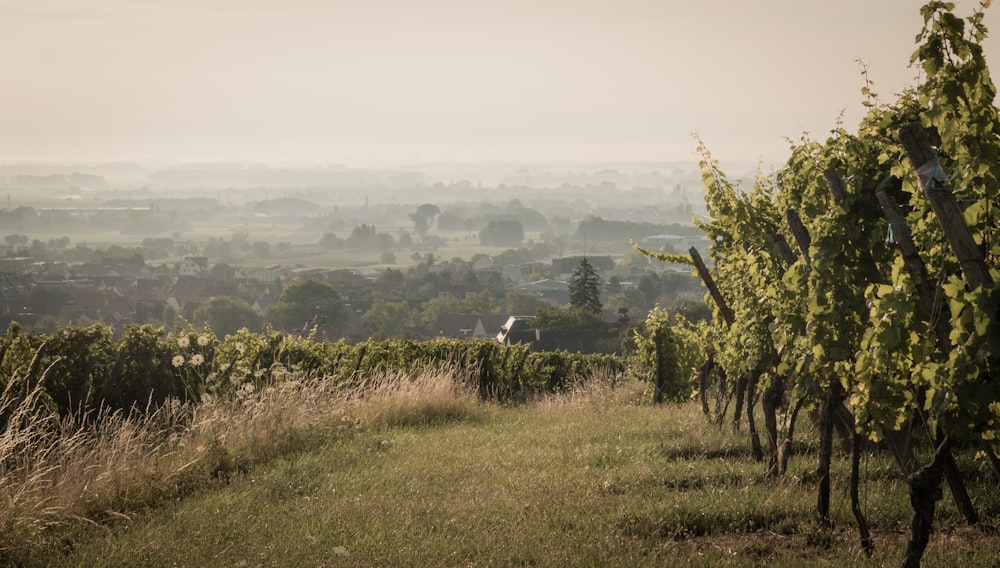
(402, 80)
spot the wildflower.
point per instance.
(183, 342)
(178, 360)
(197, 359)
(204, 340)
(240, 347)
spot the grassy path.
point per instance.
(598, 484)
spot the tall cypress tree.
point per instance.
(585, 288)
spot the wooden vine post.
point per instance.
(744, 385)
(925, 483)
(942, 330)
(899, 441)
(659, 379)
(833, 413)
(799, 232)
(918, 272)
(774, 395)
(713, 289)
(935, 185)
(786, 251)
(727, 314)
(832, 399)
(915, 266)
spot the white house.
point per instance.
(193, 266)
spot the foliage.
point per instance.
(83, 369)
(16, 239)
(523, 302)
(559, 319)
(585, 288)
(629, 298)
(363, 237)
(502, 233)
(306, 303)
(225, 315)
(845, 313)
(48, 299)
(900, 369)
(389, 319)
(330, 241)
(423, 218)
(681, 352)
(739, 228)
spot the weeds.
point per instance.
(604, 390)
(104, 467)
(391, 400)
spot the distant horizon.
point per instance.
(388, 164)
(375, 158)
(383, 83)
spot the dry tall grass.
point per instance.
(602, 389)
(392, 399)
(93, 469)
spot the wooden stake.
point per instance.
(935, 185)
(785, 250)
(706, 277)
(799, 232)
(837, 186)
(942, 332)
(915, 266)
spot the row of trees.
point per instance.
(903, 331)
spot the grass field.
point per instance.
(419, 473)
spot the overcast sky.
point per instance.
(381, 81)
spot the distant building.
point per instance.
(193, 266)
(554, 292)
(467, 326)
(262, 303)
(483, 262)
(518, 330)
(187, 294)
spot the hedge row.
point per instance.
(82, 369)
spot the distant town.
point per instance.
(120, 245)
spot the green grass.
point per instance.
(433, 478)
